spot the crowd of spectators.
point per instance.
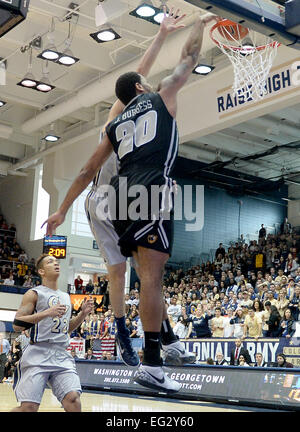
(247, 291)
(15, 266)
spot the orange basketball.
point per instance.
(232, 31)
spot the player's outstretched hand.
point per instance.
(87, 305)
(53, 222)
(171, 20)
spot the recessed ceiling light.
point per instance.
(203, 69)
(159, 17)
(44, 84)
(28, 81)
(67, 58)
(147, 11)
(50, 53)
(51, 138)
(105, 35)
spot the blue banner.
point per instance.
(268, 347)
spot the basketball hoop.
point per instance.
(251, 55)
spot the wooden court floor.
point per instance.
(110, 402)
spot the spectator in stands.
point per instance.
(23, 256)
(291, 265)
(259, 361)
(285, 227)
(136, 300)
(242, 361)
(294, 303)
(4, 351)
(22, 270)
(217, 324)
(109, 356)
(258, 308)
(290, 288)
(282, 303)
(209, 361)
(89, 355)
(262, 235)
(199, 324)
(273, 322)
(78, 282)
(220, 360)
(287, 325)
(281, 362)
(181, 328)
(237, 321)
(174, 310)
(132, 330)
(112, 326)
(89, 288)
(220, 251)
(252, 325)
(246, 301)
(28, 282)
(23, 339)
(103, 327)
(13, 358)
(237, 352)
(10, 280)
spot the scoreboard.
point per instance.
(55, 246)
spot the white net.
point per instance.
(251, 55)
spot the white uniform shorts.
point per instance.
(41, 364)
(103, 230)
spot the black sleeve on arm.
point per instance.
(24, 324)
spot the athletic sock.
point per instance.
(121, 325)
(152, 349)
(167, 334)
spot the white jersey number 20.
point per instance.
(139, 134)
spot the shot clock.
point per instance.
(55, 246)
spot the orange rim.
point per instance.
(226, 22)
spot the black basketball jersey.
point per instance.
(145, 139)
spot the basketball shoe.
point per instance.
(154, 377)
(175, 354)
(126, 352)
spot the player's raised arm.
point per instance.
(170, 24)
(83, 179)
(188, 60)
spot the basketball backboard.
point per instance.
(264, 16)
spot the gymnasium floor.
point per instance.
(105, 402)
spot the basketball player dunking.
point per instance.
(145, 138)
(47, 312)
(103, 229)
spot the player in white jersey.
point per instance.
(104, 232)
(47, 312)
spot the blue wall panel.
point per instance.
(222, 213)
